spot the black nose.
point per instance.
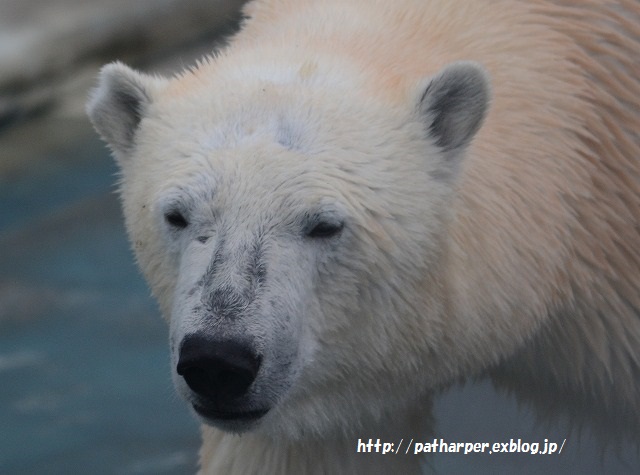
(220, 370)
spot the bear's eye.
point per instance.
(325, 229)
(176, 219)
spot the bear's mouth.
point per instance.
(216, 415)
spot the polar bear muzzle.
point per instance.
(219, 372)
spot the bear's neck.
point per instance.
(248, 454)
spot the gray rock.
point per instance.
(45, 43)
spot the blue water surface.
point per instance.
(84, 367)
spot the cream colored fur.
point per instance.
(533, 250)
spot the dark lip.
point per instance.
(239, 416)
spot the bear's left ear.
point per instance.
(453, 104)
(118, 104)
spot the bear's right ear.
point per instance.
(118, 104)
(454, 103)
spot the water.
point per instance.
(84, 374)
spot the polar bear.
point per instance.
(359, 202)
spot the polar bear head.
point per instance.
(291, 226)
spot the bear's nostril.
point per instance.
(196, 378)
(218, 370)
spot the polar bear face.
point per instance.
(288, 231)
